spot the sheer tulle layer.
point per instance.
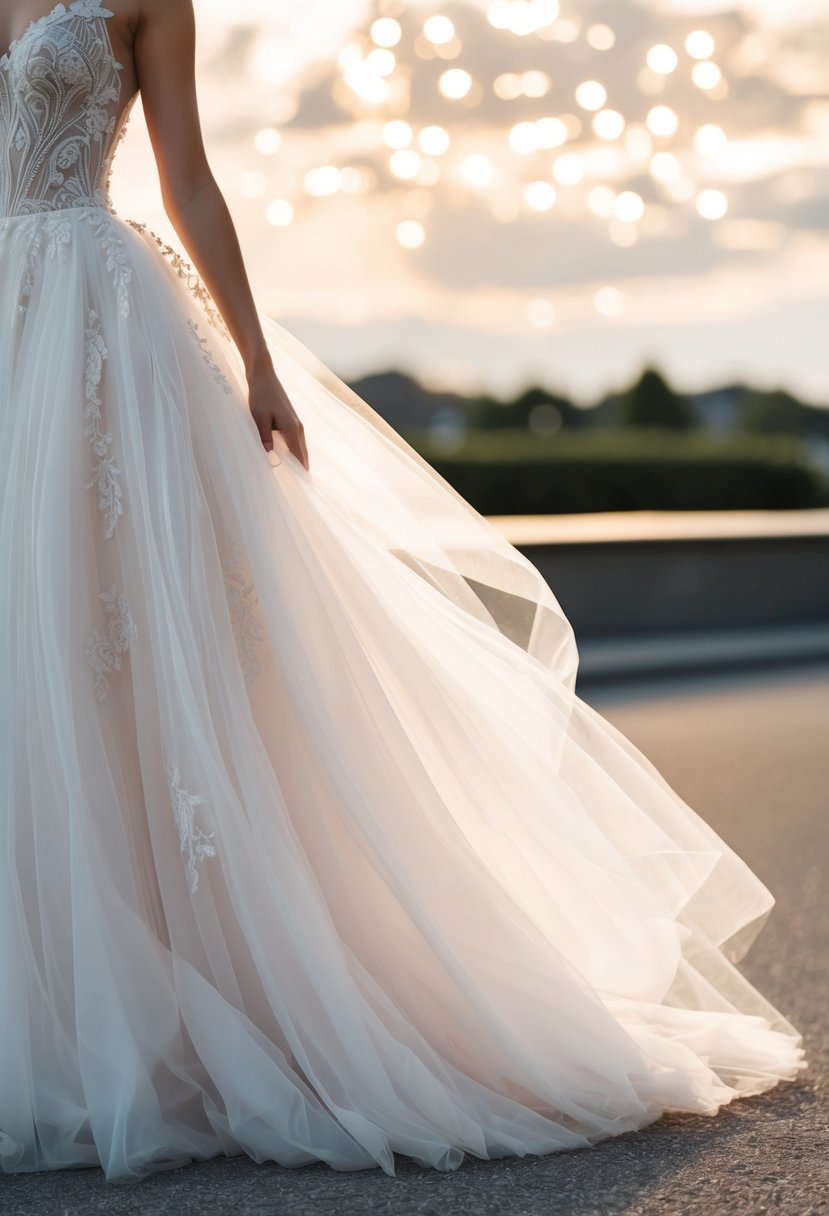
(309, 849)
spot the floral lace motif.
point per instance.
(49, 234)
(60, 125)
(106, 474)
(60, 90)
(117, 258)
(104, 650)
(218, 374)
(188, 275)
(245, 617)
(194, 842)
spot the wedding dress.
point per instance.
(308, 848)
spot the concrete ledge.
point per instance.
(649, 591)
(652, 573)
(636, 526)
(621, 659)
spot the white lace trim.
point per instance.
(104, 650)
(195, 844)
(115, 250)
(218, 374)
(106, 474)
(187, 274)
(60, 91)
(49, 233)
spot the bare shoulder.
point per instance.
(170, 12)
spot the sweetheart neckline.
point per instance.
(60, 10)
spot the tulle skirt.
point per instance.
(308, 848)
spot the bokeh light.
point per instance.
(478, 170)
(710, 139)
(568, 169)
(279, 212)
(712, 204)
(434, 140)
(386, 32)
(540, 196)
(662, 59)
(689, 144)
(601, 37)
(609, 124)
(706, 75)
(322, 181)
(397, 134)
(591, 95)
(405, 164)
(630, 206)
(411, 234)
(662, 120)
(700, 45)
(608, 301)
(455, 83)
(268, 141)
(439, 29)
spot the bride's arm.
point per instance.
(164, 48)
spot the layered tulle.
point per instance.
(309, 849)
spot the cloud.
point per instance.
(468, 249)
(757, 99)
(774, 172)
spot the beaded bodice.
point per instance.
(60, 96)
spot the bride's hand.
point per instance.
(272, 411)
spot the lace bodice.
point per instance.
(60, 118)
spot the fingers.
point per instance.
(265, 434)
(294, 435)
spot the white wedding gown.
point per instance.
(308, 849)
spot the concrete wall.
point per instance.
(654, 586)
(665, 593)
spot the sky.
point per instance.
(489, 194)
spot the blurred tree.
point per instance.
(491, 414)
(779, 412)
(652, 402)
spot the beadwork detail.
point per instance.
(106, 474)
(187, 274)
(61, 65)
(218, 374)
(104, 650)
(194, 842)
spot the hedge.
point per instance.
(509, 473)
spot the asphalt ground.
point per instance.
(751, 754)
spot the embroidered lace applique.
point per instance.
(60, 89)
(60, 126)
(194, 842)
(188, 275)
(106, 474)
(218, 374)
(115, 250)
(243, 602)
(104, 650)
(52, 235)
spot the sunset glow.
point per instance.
(456, 167)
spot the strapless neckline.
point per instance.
(78, 8)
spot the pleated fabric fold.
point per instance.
(309, 848)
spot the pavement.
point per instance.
(751, 754)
